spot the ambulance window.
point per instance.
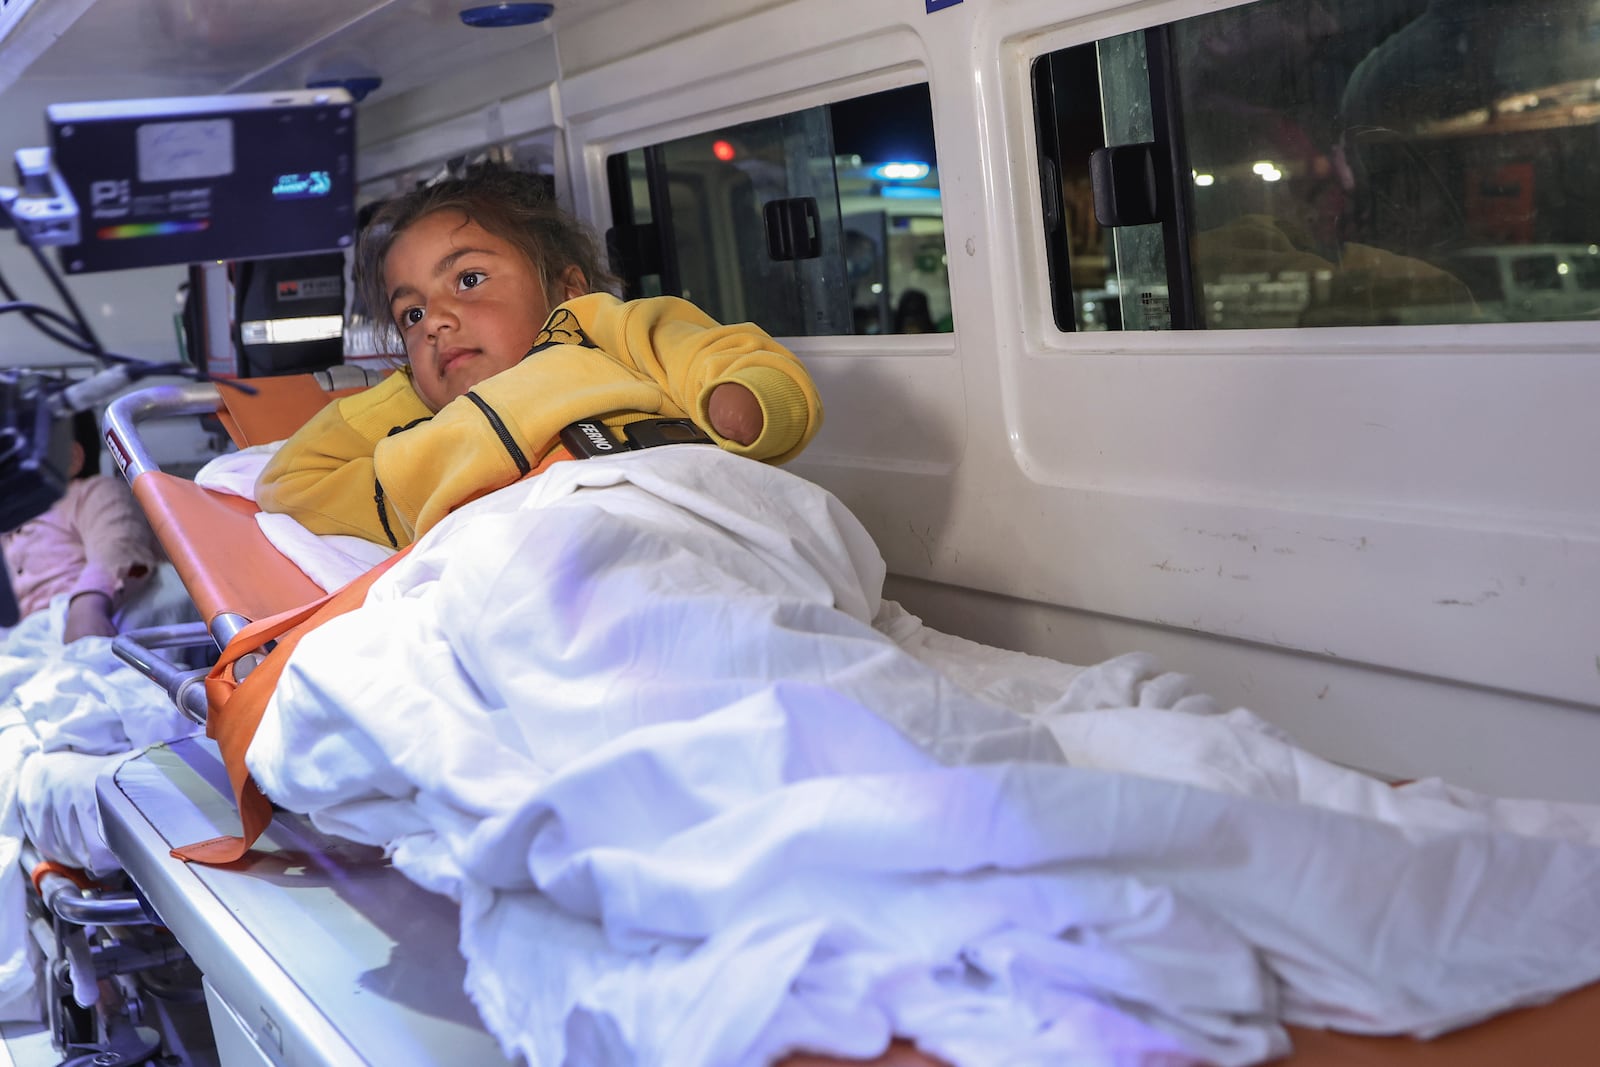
(1326, 162)
(820, 222)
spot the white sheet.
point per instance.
(67, 712)
(636, 716)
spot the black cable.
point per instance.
(35, 314)
(81, 336)
(40, 316)
(60, 287)
(82, 327)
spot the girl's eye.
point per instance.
(410, 317)
(472, 279)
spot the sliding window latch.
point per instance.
(793, 228)
(1127, 189)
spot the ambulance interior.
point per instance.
(1258, 338)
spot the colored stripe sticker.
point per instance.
(936, 5)
(149, 229)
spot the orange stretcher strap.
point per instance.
(236, 707)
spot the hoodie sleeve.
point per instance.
(324, 475)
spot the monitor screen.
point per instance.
(192, 179)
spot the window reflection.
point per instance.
(1365, 162)
(693, 222)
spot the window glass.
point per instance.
(1331, 162)
(820, 222)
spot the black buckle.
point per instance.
(650, 433)
(588, 438)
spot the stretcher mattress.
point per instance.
(389, 977)
(323, 951)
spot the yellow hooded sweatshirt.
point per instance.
(380, 465)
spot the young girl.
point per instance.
(486, 285)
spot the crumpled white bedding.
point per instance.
(68, 711)
(705, 798)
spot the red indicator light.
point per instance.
(723, 151)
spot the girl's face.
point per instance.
(468, 304)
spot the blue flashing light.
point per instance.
(909, 192)
(904, 171)
(497, 16)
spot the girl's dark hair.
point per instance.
(86, 431)
(513, 205)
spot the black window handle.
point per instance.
(794, 230)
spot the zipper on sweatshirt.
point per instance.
(383, 513)
(377, 486)
(499, 427)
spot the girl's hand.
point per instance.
(735, 413)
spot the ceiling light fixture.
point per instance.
(497, 16)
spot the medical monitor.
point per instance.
(194, 179)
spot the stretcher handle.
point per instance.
(123, 415)
(185, 687)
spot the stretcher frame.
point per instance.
(265, 1011)
(342, 1001)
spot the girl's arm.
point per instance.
(323, 476)
(690, 355)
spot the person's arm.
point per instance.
(734, 412)
(712, 371)
(324, 477)
(120, 553)
(88, 615)
(596, 356)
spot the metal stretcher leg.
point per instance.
(118, 989)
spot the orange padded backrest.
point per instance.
(278, 408)
(242, 572)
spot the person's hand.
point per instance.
(735, 413)
(88, 615)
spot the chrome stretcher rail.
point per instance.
(315, 949)
(185, 687)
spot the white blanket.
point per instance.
(705, 799)
(67, 711)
